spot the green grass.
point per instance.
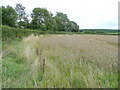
(113, 33)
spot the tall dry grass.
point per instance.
(84, 61)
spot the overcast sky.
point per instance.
(88, 14)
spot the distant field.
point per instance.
(114, 33)
(82, 61)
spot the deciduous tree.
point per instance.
(22, 19)
(9, 16)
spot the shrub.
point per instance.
(12, 33)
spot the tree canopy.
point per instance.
(41, 19)
(22, 17)
(9, 16)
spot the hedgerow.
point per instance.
(12, 33)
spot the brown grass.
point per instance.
(84, 61)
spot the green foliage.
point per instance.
(22, 24)
(100, 31)
(62, 21)
(59, 23)
(9, 33)
(9, 16)
(0, 15)
(42, 19)
(73, 26)
(22, 19)
(64, 24)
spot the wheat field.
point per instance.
(69, 61)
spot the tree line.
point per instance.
(41, 19)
